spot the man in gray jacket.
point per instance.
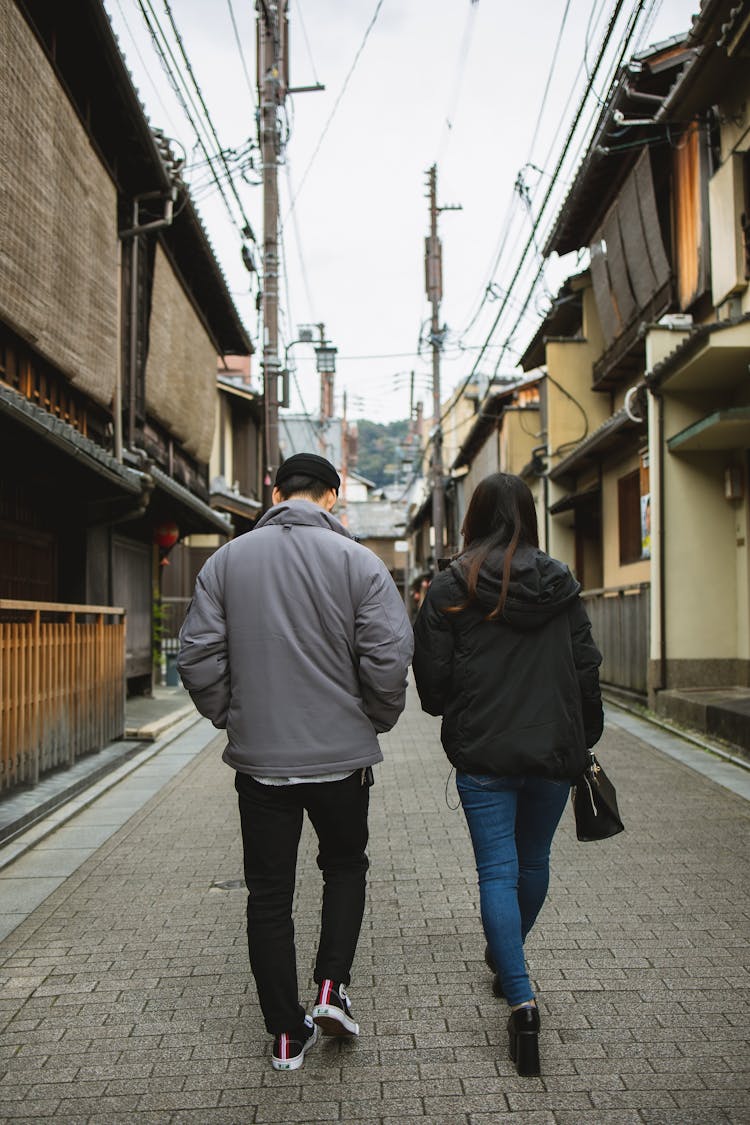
(297, 644)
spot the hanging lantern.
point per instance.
(166, 535)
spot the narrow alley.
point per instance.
(125, 994)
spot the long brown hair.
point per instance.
(501, 513)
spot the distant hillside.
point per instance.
(379, 443)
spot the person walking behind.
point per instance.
(503, 651)
(297, 643)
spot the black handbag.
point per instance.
(595, 804)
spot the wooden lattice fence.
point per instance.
(62, 685)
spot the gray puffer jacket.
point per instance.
(297, 642)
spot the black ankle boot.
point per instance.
(497, 986)
(523, 1040)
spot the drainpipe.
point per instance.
(117, 396)
(540, 453)
(133, 348)
(662, 547)
(661, 555)
(134, 232)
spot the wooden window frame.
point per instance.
(629, 517)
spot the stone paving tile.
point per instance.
(126, 997)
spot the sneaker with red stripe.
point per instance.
(333, 1010)
(289, 1048)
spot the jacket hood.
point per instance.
(540, 586)
(300, 513)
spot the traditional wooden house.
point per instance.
(699, 400)
(503, 433)
(235, 490)
(637, 480)
(112, 313)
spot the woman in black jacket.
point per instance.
(503, 651)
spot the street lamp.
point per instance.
(325, 364)
(325, 358)
(325, 361)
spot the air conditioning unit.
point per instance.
(681, 321)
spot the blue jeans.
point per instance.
(511, 822)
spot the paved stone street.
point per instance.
(125, 996)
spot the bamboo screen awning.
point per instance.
(58, 284)
(181, 366)
(628, 262)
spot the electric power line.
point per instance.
(463, 54)
(167, 8)
(146, 70)
(625, 47)
(238, 41)
(307, 41)
(503, 247)
(558, 41)
(298, 243)
(530, 242)
(165, 53)
(313, 428)
(337, 103)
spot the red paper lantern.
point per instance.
(166, 535)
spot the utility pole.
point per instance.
(344, 516)
(272, 90)
(434, 287)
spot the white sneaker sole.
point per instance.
(297, 1061)
(333, 1021)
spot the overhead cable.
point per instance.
(550, 72)
(301, 20)
(336, 104)
(315, 430)
(220, 152)
(625, 47)
(146, 69)
(558, 167)
(298, 243)
(503, 246)
(171, 70)
(238, 41)
(463, 54)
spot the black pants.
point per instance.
(271, 817)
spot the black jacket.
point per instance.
(520, 694)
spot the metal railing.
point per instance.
(620, 623)
(62, 685)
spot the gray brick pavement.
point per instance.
(125, 996)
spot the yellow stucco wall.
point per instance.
(222, 429)
(562, 542)
(700, 558)
(569, 364)
(520, 433)
(615, 573)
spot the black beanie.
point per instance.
(309, 465)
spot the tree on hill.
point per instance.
(379, 450)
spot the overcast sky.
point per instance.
(458, 83)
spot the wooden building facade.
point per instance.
(113, 311)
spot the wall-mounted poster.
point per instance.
(646, 526)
